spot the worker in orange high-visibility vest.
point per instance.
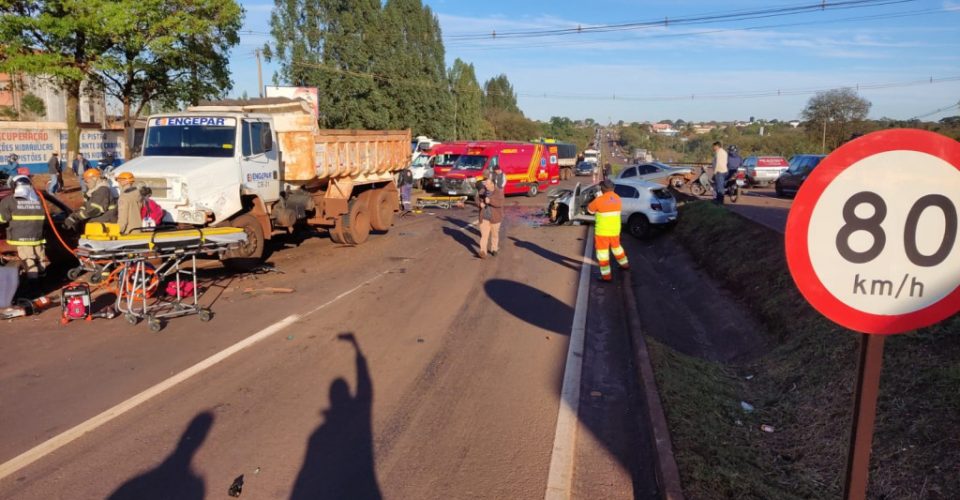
(606, 208)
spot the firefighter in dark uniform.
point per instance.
(23, 215)
(99, 202)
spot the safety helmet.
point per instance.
(19, 180)
(125, 177)
(732, 148)
(91, 173)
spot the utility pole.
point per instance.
(259, 74)
(823, 140)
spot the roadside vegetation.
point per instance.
(803, 388)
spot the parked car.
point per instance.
(646, 205)
(675, 177)
(763, 170)
(584, 168)
(800, 167)
(422, 171)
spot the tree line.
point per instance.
(141, 52)
(381, 65)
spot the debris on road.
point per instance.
(747, 407)
(237, 487)
(766, 428)
(268, 289)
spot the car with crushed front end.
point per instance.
(646, 205)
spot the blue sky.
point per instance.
(691, 71)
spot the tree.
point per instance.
(830, 114)
(499, 95)
(340, 47)
(33, 105)
(468, 116)
(60, 39)
(417, 86)
(169, 51)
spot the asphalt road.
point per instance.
(403, 368)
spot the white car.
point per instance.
(654, 171)
(645, 205)
(422, 171)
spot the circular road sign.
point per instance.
(871, 239)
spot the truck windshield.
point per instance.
(190, 140)
(470, 162)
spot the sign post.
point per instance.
(871, 242)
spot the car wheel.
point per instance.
(697, 189)
(638, 225)
(676, 182)
(534, 190)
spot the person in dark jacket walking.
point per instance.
(99, 203)
(56, 174)
(24, 215)
(491, 215)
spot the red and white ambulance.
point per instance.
(529, 168)
(444, 156)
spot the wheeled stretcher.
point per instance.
(145, 259)
(441, 201)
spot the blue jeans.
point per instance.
(719, 179)
(53, 185)
(406, 191)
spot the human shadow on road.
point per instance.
(531, 305)
(174, 478)
(462, 238)
(547, 254)
(339, 461)
(462, 224)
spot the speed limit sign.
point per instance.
(871, 239)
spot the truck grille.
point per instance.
(159, 185)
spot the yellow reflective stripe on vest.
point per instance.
(96, 206)
(28, 217)
(608, 223)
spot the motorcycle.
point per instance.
(703, 186)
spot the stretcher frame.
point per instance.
(135, 283)
(441, 201)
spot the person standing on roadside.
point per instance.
(719, 171)
(491, 215)
(606, 208)
(406, 190)
(80, 165)
(56, 173)
(607, 171)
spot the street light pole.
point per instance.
(823, 140)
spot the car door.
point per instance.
(650, 172)
(629, 199)
(259, 167)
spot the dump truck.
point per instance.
(566, 156)
(264, 165)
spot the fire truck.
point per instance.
(529, 168)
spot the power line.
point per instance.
(587, 43)
(739, 15)
(936, 111)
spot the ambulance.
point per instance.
(444, 157)
(529, 167)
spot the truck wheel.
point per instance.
(336, 233)
(248, 255)
(356, 223)
(381, 205)
(534, 190)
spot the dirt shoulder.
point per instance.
(799, 382)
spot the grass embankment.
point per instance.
(803, 387)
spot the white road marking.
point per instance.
(560, 480)
(49, 446)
